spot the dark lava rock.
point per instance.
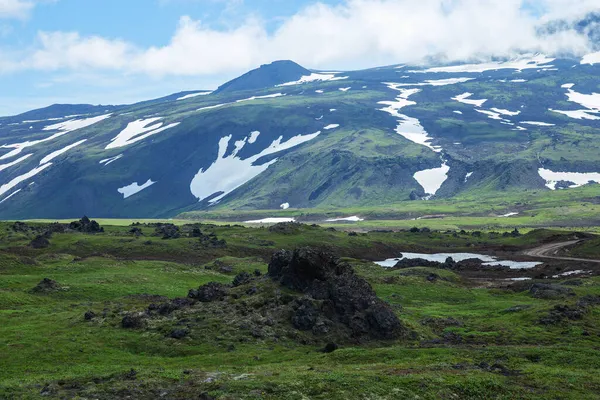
(86, 225)
(212, 291)
(167, 231)
(132, 321)
(352, 234)
(439, 324)
(352, 300)
(433, 277)
(206, 396)
(561, 312)
(89, 315)
(20, 227)
(588, 301)
(40, 242)
(417, 262)
(47, 286)
(257, 272)
(330, 347)
(225, 269)
(136, 232)
(286, 228)
(173, 305)
(573, 282)
(306, 315)
(241, 279)
(179, 333)
(550, 291)
(518, 308)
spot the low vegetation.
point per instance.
(154, 310)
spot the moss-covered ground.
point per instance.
(494, 348)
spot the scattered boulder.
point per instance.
(562, 312)
(89, 315)
(167, 231)
(86, 225)
(179, 333)
(47, 285)
(241, 279)
(132, 321)
(20, 227)
(212, 291)
(343, 296)
(550, 291)
(286, 228)
(330, 347)
(135, 231)
(40, 242)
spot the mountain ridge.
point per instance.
(285, 135)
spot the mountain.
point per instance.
(283, 135)
(276, 73)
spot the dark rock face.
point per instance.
(179, 333)
(40, 242)
(132, 321)
(86, 225)
(550, 291)
(330, 347)
(340, 295)
(167, 231)
(562, 312)
(241, 279)
(212, 291)
(89, 315)
(285, 228)
(47, 286)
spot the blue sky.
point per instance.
(109, 51)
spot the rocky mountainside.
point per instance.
(284, 136)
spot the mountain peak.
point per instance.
(265, 76)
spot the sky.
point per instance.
(124, 51)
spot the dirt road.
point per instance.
(551, 250)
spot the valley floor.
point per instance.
(473, 332)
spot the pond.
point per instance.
(441, 257)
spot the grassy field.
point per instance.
(468, 341)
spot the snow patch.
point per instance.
(502, 111)
(469, 174)
(569, 273)
(578, 114)
(578, 178)
(15, 162)
(8, 186)
(536, 123)
(227, 173)
(285, 206)
(138, 130)
(253, 136)
(457, 112)
(592, 58)
(409, 128)
(10, 195)
(191, 95)
(464, 98)
(130, 190)
(346, 219)
(57, 153)
(271, 221)
(567, 85)
(344, 89)
(107, 161)
(438, 82)
(519, 80)
(536, 61)
(511, 214)
(314, 77)
(62, 127)
(331, 126)
(432, 179)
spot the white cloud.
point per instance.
(15, 8)
(353, 34)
